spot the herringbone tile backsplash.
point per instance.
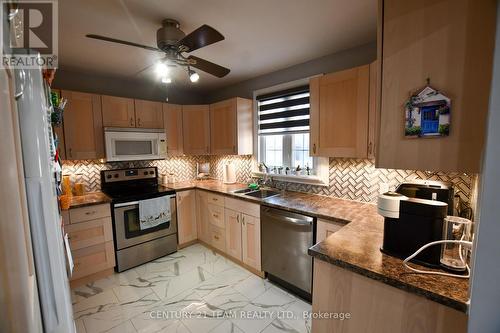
(355, 179)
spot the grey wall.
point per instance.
(337, 61)
(91, 83)
(485, 290)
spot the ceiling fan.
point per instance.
(173, 42)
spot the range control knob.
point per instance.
(145, 173)
(116, 175)
(151, 172)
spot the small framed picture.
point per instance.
(427, 114)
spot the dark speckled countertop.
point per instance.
(356, 246)
(89, 199)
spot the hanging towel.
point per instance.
(153, 212)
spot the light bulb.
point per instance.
(161, 69)
(193, 76)
(166, 79)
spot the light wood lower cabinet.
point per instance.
(374, 306)
(83, 130)
(196, 129)
(186, 216)
(233, 234)
(93, 259)
(216, 215)
(202, 222)
(90, 234)
(250, 233)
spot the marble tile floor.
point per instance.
(193, 290)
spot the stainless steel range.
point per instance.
(135, 245)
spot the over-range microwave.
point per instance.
(132, 144)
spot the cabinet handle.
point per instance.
(131, 121)
(370, 148)
(139, 122)
(314, 148)
(70, 152)
(243, 219)
(216, 237)
(215, 199)
(237, 218)
(215, 215)
(90, 213)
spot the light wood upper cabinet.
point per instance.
(451, 43)
(148, 114)
(250, 234)
(117, 111)
(83, 130)
(231, 127)
(339, 113)
(172, 117)
(186, 216)
(372, 110)
(196, 129)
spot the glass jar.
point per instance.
(79, 187)
(455, 256)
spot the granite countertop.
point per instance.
(89, 199)
(356, 246)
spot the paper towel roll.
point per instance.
(229, 174)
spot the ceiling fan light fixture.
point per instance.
(161, 69)
(193, 76)
(166, 80)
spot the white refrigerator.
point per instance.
(36, 270)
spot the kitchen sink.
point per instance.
(262, 194)
(243, 191)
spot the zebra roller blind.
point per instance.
(285, 111)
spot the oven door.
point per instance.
(139, 144)
(127, 227)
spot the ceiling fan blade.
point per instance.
(124, 42)
(203, 36)
(209, 67)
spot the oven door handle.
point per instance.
(126, 204)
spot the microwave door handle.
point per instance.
(126, 204)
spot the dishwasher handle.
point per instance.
(285, 216)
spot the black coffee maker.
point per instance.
(414, 216)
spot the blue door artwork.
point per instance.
(430, 119)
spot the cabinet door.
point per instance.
(223, 133)
(451, 43)
(83, 130)
(196, 129)
(251, 241)
(148, 114)
(89, 233)
(233, 234)
(202, 223)
(118, 111)
(172, 117)
(372, 109)
(339, 113)
(186, 216)
(93, 259)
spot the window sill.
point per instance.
(301, 179)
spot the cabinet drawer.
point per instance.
(89, 213)
(217, 238)
(89, 233)
(243, 206)
(93, 259)
(216, 215)
(216, 199)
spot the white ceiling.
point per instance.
(262, 36)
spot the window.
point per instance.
(283, 129)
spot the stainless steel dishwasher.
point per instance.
(286, 237)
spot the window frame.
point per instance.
(321, 164)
